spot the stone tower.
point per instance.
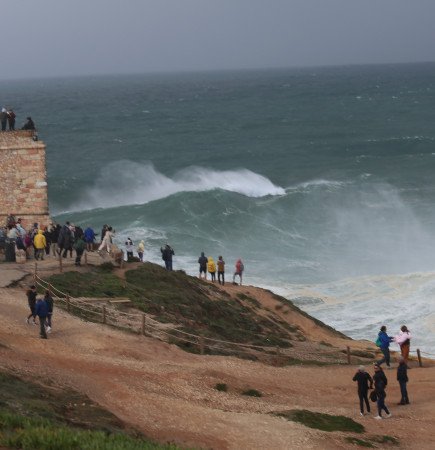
(23, 176)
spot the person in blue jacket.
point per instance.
(384, 341)
(89, 239)
(41, 310)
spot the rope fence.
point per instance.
(143, 324)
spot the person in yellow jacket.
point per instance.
(211, 267)
(40, 243)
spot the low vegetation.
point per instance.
(320, 421)
(37, 417)
(195, 306)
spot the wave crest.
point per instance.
(129, 183)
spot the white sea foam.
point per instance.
(359, 306)
(130, 183)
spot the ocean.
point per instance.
(320, 179)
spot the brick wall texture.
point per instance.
(23, 178)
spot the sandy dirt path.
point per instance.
(169, 394)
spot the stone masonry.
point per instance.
(23, 176)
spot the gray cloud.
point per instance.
(55, 37)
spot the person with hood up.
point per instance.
(380, 381)
(39, 243)
(404, 341)
(202, 261)
(384, 344)
(221, 270)
(167, 253)
(141, 250)
(211, 267)
(239, 271)
(363, 379)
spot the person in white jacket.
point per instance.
(107, 241)
(404, 341)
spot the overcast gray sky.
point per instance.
(74, 37)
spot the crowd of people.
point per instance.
(365, 382)
(208, 265)
(39, 241)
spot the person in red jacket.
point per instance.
(239, 271)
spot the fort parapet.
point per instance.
(23, 178)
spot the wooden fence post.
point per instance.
(104, 313)
(50, 288)
(420, 363)
(144, 318)
(201, 345)
(35, 272)
(67, 302)
(348, 354)
(60, 262)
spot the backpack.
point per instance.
(378, 342)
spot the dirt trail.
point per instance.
(169, 394)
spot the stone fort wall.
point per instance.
(23, 178)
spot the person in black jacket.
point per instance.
(202, 261)
(402, 378)
(167, 253)
(380, 381)
(64, 241)
(363, 379)
(31, 298)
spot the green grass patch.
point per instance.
(385, 439)
(222, 387)
(320, 421)
(252, 393)
(359, 442)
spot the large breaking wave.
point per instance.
(129, 183)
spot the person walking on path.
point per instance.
(41, 310)
(31, 299)
(239, 271)
(167, 253)
(363, 379)
(404, 341)
(50, 303)
(383, 342)
(380, 381)
(211, 267)
(202, 261)
(402, 378)
(64, 241)
(141, 250)
(221, 270)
